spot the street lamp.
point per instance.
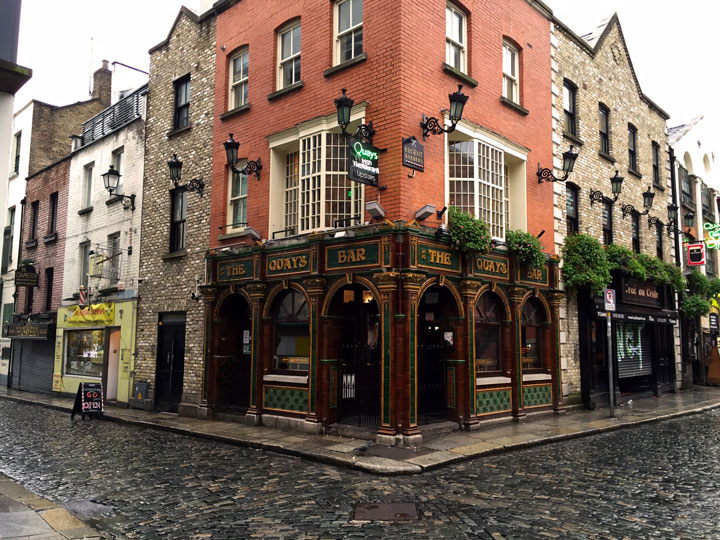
(569, 158)
(457, 104)
(344, 105)
(616, 186)
(648, 197)
(196, 184)
(111, 179)
(231, 152)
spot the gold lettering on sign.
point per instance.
(235, 270)
(351, 255)
(288, 263)
(439, 257)
(534, 273)
(490, 266)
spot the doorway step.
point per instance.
(367, 433)
(438, 428)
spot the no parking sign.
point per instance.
(609, 299)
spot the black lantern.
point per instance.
(672, 212)
(196, 184)
(111, 179)
(344, 104)
(616, 186)
(569, 158)
(231, 152)
(457, 104)
(648, 197)
(689, 219)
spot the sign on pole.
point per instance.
(363, 162)
(609, 299)
(696, 254)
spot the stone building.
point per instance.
(175, 225)
(95, 338)
(332, 302)
(602, 111)
(692, 158)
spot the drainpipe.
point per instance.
(23, 203)
(678, 263)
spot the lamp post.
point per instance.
(546, 174)
(175, 166)
(110, 180)
(231, 152)
(433, 124)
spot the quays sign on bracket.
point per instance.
(288, 263)
(352, 256)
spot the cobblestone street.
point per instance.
(656, 481)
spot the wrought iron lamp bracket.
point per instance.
(433, 126)
(547, 175)
(252, 167)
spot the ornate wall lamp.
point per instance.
(231, 151)
(616, 183)
(344, 104)
(196, 184)
(111, 180)
(569, 158)
(672, 219)
(648, 197)
(688, 221)
(457, 104)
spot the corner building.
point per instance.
(330, 302)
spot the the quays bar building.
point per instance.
(390, 329)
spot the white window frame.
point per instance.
(114, 250)
(338, 35)
(242, 82)
(17, 148)
(282, 61)
(230, 228)
(509, 79)
(88, 171)
(84, 264)
(452, 11)
(118, 159)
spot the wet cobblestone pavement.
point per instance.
(660, 480)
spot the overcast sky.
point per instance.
(673, 44)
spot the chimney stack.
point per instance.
(102, 84)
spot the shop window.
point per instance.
(455, 38)
(181, 117)
(348, 30)
(570, 107)
(292, 333)
(289, 56)
(511, 73)
(239, 76)
(178, 215)
(532, 321)
(489, 314)
(572, 214)
(84, 352)
(604, 118)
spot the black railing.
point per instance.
(122, 113)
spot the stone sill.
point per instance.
(84, 211)
(288, 379)
(483, 381)
(537, 377)
(284, 91)
(174, 132)
(635, 173)
(514, 106)
(31, 243)
(658, 186)
(345, 65)
(607, 157)
(227, 236)
(235, 111)
(174, 255)
(52, 237)
(573, 138)
(466, 79)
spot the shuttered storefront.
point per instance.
(633, 347)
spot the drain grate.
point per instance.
(386, 512)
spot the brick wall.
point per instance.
(168, 283)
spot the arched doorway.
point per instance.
(437, 320)
(355, 320)
(232, 361)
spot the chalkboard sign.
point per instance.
(88, 400)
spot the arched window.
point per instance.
(532, 321)
(292, 333)
(489, 314)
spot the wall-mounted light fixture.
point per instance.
(196, 184)
(648, 197)
(616, 184)
(344, 105)
(688, 221)
(231, 151)
(434, 126)
(569, 158)
(111, 180)
(672, 219)
(425, 212)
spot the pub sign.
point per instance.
(26, 276)
(363, 162)
(413, 154)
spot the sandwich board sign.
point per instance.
(88, 400)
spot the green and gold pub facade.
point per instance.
(390, 329)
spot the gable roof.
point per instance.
(593, 42)
(188, 13)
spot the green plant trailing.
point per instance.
(695, 306)
(714, 289)
(698, 284)
(585, 263)
(655, 269)
(468, 234)
(526, 248)
(624, 259)
(677, 280)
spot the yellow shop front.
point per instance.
(96, 343)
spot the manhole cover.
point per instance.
(386, 512)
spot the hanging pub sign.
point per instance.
(88, 400)
(26, 276)
(363, 162)
(696, 254)
(712, 235)
(413, 154)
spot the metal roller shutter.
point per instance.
(33, 365)
(634, 350)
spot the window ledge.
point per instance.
(345, 65)
(31, 243)
(178, 131)
(606, 157)
(108, 290)
(52, 237)
(482, 381)
(236, 234)
(84, 211)
(174, 254)
(635, 173)
(574, 138)
(537, 377)
(658, 186)
(13, 175)
(467, 79)
(514, 106)
(233, 112)
(289, 379)
(287, 90)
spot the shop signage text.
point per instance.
(28, 331)
(714, 322)
(433, 257)
(26, 276)
(92, 314)
(712, 235)
(363, 162)
(234, 270)
(88, 400)
(288, 264)
(350, 257)
(413, 154)
(491, 266)
(643, 294)
(696, 254)
(536, 276)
